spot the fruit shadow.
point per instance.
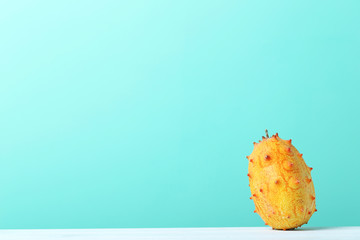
(312, 229)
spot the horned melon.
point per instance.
(280, 183)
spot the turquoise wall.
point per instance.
(141, 113)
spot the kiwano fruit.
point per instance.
(280, 183)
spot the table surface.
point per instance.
(184, 233)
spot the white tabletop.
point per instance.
(184, 233)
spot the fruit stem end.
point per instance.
(267, 134)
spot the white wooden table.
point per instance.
(257, 233)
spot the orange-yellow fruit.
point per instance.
(281, 184)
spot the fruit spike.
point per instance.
(300, 154)
(283, 190)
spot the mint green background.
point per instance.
(141, 113)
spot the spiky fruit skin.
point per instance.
(281, 184)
